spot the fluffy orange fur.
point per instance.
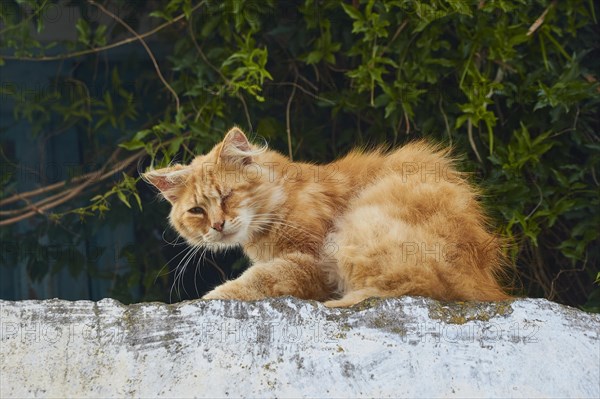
(372, 224)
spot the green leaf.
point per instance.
(160, 14)
(123, 198)
(83, 31)
(132, 145)
(141, 134)
(175, 145)
(314, 57)
(352, 12)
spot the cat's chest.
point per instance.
(278, 246)
(261, 251)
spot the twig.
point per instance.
(51, 205)
(407, 122)
(56, 198)
(552, 284)
(246, 112)
(576, 119)
(204, 57)
(54, 186)
(302, 89)
(287, 120)
(594, 177)
(396, 34)
(138, 37)
(45, 189)
(308, 82)
(218, 71)
(103, 48)
(445, 121)
(398, 31)
(497, 79)
(35, 205)
(71, 193)
(471, 140)
(538, 22)
(535, 208)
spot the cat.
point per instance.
(380, 223)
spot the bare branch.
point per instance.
(54, 186)
(538, 22)
(218, 71)
(51, 202)
(302, 89)
(138, 37)
(103, 48)
(288, 122)
(472, 140)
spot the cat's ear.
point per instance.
(169, 181)
(235, 148)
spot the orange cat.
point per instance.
(372, 224)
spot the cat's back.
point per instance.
(416, 162)
(415, 227)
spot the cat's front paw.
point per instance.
(233, 290)
(214, 294)
(336, 303)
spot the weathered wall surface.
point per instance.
(408, 347)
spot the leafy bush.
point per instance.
(511, 84)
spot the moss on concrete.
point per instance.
(463, 312)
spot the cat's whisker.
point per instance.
(201, 258)
(196, 271)
(176, 270)
(167, 264)
(191, 258)
(180, 270)
(173, 243)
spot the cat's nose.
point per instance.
(218, 225)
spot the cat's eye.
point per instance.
(196, 210)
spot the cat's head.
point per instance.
(218, 198)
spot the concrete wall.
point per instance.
(408, 347)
